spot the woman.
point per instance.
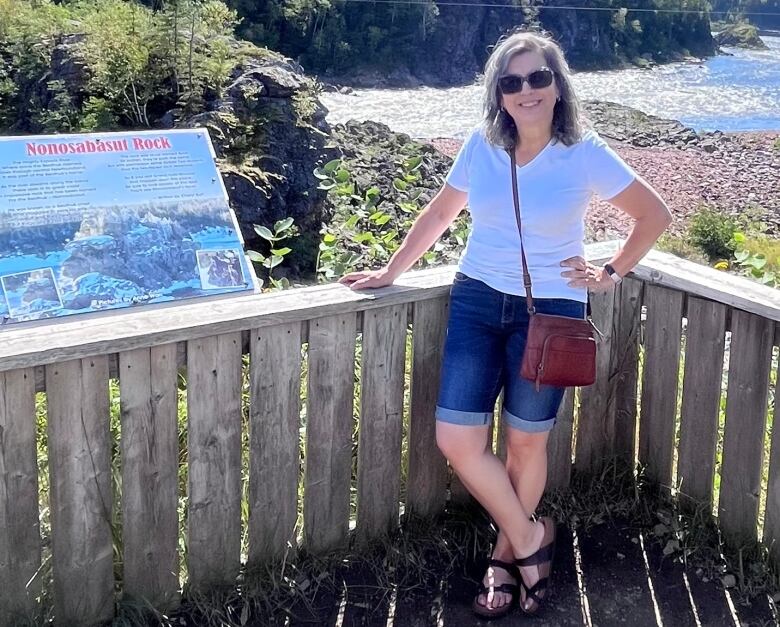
(529, 108)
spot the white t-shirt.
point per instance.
(555, 189)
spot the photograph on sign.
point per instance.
(105, 221)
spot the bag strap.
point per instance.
(529, 299)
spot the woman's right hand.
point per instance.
(367, 279)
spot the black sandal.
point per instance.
(512, 589)
(542, 559)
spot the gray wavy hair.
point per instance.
(500, 129)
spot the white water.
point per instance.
(729, 93)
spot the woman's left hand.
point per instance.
(585, 274)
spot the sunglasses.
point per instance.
(513, 83)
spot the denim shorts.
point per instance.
(486, 334)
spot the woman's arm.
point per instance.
(641, 202)
(427, 229)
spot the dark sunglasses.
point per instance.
(513, 83)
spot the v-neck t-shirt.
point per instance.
(555, 188)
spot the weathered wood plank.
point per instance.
(663, 332)
(772, 516)
(20, 538)
(381, 421)
(559, 445)
(459, 493)
(699, 280)
(214, 443)
(625, 359)
(274, 458)
(329, 432)
(150, 453)
(750, 355)
(595, 425)
(426, 490)
(80, 490)
(704, 347)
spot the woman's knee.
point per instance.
(522, 445)
(457, 441)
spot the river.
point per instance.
(739, 91)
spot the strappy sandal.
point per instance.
(543, 560)
(512, 589)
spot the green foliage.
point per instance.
(108, 64)
(370, 223)
(758, 256)
(741, 246)
(283, 229)
(712, 232)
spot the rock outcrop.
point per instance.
(270, 134)
(740, 35)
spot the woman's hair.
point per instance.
(499, 126)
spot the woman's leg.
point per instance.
(526, 464)
(486, 478)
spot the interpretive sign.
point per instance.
(109, 220)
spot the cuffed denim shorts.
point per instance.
(486, 335)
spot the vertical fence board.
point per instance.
(426, 490)
(659, 382)
(214, 442)
(625, 355)
(704, 346)
(595, 425)
(559, 445)
(80, 490)
(274, 458)
(20, 539)
(381, 420)
(329, 431)
(772, 517)
(150, 452)
(743, 438)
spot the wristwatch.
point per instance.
(612, 273)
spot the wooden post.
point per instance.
(381, 421)
(663, 333)
(559, 446)
(704, 345)
(625, 358)
(426, 490)
(214, 412)
(750, 356)
(595, 425)
(329, 432)
(20, 538)
(80, 484)
(274, 459)
(150, 454)
(772, 517)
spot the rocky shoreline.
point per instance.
(733, 173)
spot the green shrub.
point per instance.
(713, 233)
(174, 56)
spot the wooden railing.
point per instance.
(250, 361)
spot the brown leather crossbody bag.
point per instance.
(559, 350)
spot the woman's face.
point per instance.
(530, 108)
